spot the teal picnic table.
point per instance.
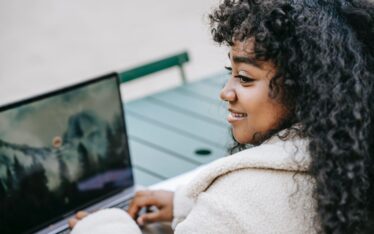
(177, 130)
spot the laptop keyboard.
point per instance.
(66, 231)
(122, 205)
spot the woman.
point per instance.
(301, 92)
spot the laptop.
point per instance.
(62, 152)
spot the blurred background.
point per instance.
(48, 44)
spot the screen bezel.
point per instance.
(65, 89)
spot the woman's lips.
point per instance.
(235, 116)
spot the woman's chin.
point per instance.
(242, 139)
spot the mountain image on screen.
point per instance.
(78, 157)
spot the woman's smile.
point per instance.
(235, 116)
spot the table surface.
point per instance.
(177, 130)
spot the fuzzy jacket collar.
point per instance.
(275, 154)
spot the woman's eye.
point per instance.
(244, 79)
(229, 69)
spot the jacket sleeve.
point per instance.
(182, 206)
(252, 201)
(113, 221)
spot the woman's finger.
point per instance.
(78, 216)
(141, 201)
(149, 218)
(81, 214)
(72, 222)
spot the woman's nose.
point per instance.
(228, 93)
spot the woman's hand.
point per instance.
(162, 200)
(78, 216)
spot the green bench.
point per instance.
(175, 60)
(177, 130)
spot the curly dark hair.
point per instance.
(324, 54)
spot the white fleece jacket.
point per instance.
(260, 190)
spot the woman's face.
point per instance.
(247, 94)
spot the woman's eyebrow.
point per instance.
(244, 59)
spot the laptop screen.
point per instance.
(60, 152)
